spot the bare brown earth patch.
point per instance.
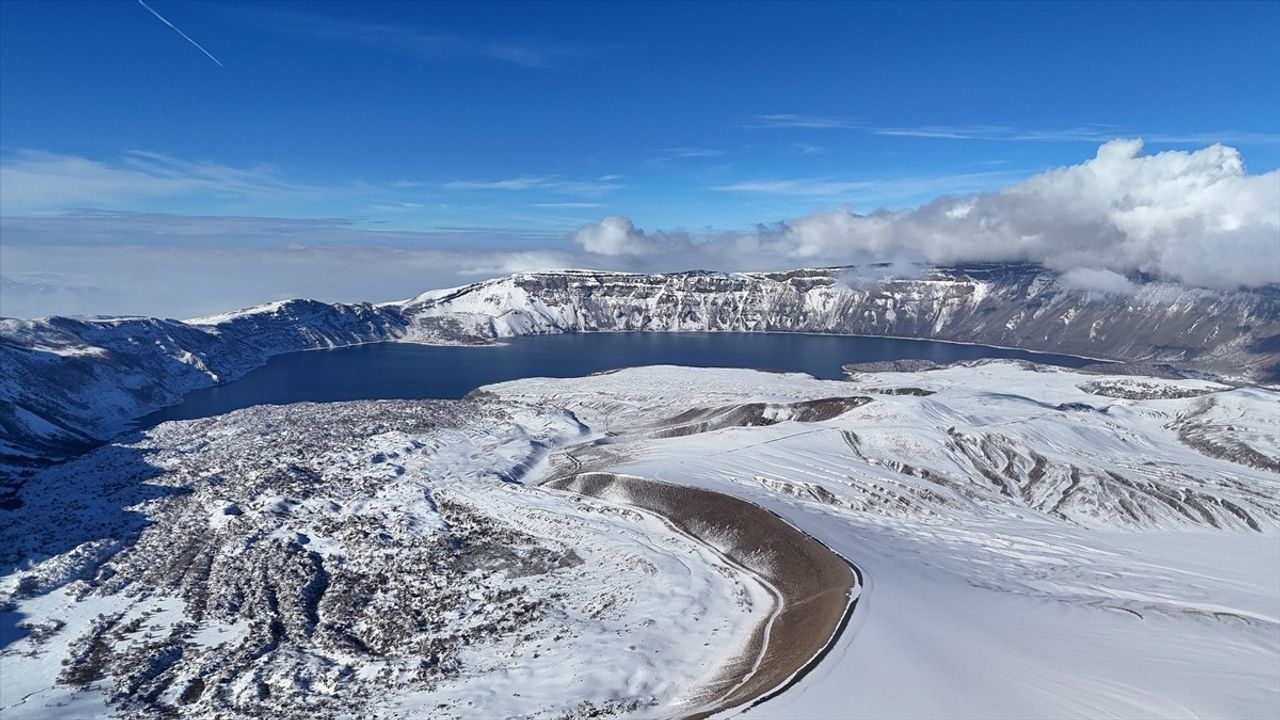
(814, 586)
(701, 420)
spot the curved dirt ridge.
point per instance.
(815, 588)
(758, 414)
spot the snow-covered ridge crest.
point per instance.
(66, 383)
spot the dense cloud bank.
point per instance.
(1195, 217)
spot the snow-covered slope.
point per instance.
(333, 560)
(971, 438)
(68, 383)
(1035, 545)
(1035, 542)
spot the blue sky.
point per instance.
(509, 125)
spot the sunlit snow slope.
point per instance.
(1032, 541)
(354, 559)
(1036, 542)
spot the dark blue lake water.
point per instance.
(401, 371)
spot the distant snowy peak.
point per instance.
(263, 309)
(305, 324)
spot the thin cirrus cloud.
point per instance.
(33, 181)
(811, 122)
(797, 187)
(36, 181)
(666, 155)
(109, 228)
(879, 191)
(690, 152)
(411, 42)
(1004, 133)
(554, 184)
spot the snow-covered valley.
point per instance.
(1032, 542)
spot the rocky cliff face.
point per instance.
(1016, 306)
(66, 384)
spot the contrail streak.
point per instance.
(184, 35)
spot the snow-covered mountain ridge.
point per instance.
(1022, 306)
(67, 383)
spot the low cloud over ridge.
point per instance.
(617, 235)
(1195, 217)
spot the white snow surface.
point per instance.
(985, 605)
(1034, 543)
(636, 623)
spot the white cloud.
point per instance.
(1195, 217)
(1191, 216)
(617, 235)
(867, 276)
(1099, 281)
(494, 264)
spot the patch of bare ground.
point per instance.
(1142, 389)
(708, 419)
(1219, 439)
(918, 392)
(815, 587)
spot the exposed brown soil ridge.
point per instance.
(814, 586)
(758, 414)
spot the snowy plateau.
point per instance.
(984, 539)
